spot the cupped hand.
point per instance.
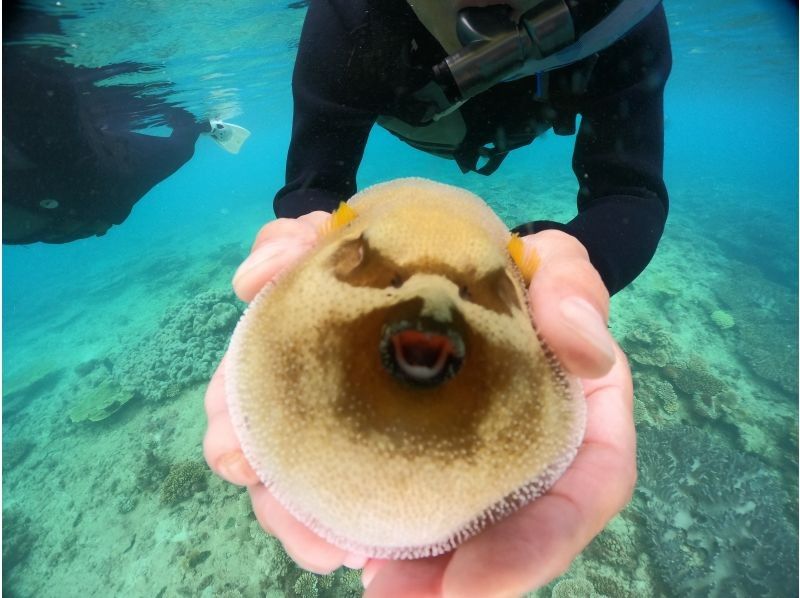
(537, 543)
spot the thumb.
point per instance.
(570, 303)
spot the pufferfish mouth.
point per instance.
(421, 352)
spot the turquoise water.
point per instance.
(90, 507)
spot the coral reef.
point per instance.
(348, 583)
(640, 413)
(716, 519)
(126, 504)
(574, 587)
(99, 403)
(613, 587)
(655, 392)
(651, 346)
(766, 327)
(615, 545)
(722, 319)
(183, 481)
(153, 469)
(694, 379)
(185, 349)
(271, 551)
(775, 362)
(306, 585)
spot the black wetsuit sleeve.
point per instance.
(329, 132)
(618, 158)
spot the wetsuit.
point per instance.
(72, 166)
(358, 61)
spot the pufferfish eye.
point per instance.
(358, 264)
(494, 291)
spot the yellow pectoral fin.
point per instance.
(526, 258)
(341, 216)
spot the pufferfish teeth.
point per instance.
(414, 353)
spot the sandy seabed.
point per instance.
(125, 505)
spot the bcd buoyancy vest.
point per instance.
(480, 144)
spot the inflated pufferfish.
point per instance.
(390, 389)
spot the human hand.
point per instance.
(537, 543)
(278, 246)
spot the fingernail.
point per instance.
(260, 255)
(587, 323)
(368, 575)
(234, 467)
(355, 561)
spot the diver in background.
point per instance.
(72, 164)
(359, 65)
(362, 62)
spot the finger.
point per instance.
(371, 569)
(421, 578)
(278, 245)
(221, 447)
(537, 543)
(570, 303)
(316, 220)
(619, 377)
(284, 227)
(266, 263)
(304, 547)
(214, 401)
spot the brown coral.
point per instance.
(184, 480)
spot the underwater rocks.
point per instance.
(17, 399)
(15, 451)
(184, 351)
(716, 519)
(18, 540)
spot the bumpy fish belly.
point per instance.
(390, 390)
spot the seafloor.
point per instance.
(105, 492)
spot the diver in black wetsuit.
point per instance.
(367, 61)
(364, 61)
(72, 164)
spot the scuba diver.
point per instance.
(73, 164)
(472, 85)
